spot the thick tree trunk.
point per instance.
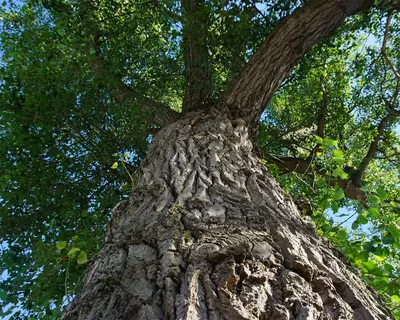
(208, 234)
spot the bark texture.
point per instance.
(208, 234)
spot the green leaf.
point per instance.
(379, 258)
(396, 298)
(342, 234)
(339, 194)
(321, 182)
(115, 165)
(374, 199)
(319, 140)
(338, 156)
(338, 172)
(395, 204)
(82, 258)
(361, 219)
(60, 31)
(382, 194)
(126, 155)
(335, 207)
(395, 232)
(3, 295)
(337, 153)
(373, 212)
(330, 142)
(61, 245)
(71, 253)
(370, 265)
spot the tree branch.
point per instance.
(198, 80)
(383, 49)
(279, 53)
(321, 117)
(288, 164)
(374, 146)
(158, 113)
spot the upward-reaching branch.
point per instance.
(278, 54)
(392, 114)
(197, 61)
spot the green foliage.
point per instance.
(61, 124)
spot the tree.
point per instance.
(206, 231)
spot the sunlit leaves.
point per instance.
(61, 245)
(71, 253)
(328, 142)
(338, 172)
(82, 258)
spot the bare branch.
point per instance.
(254, 4)
(321, 117)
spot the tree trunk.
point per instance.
(208, 234)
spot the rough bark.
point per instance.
(208, 234)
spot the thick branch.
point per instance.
(158, 113)
(302, 166)
(278, 54)
(374, 146)
(197, 61)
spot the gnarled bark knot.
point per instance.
(208, 234)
